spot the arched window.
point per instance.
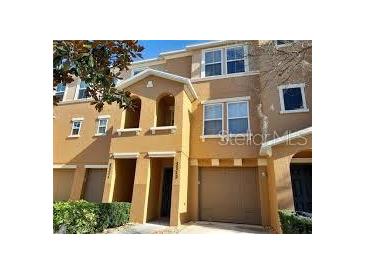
(165, 110)
(132, 115)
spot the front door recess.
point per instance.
(166, 192)
(301, 179)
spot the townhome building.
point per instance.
(212, 136)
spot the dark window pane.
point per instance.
(235, 66)
(238, 126)
(214, 69)
(292, 98)
(213, 127)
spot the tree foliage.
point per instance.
(97, 62)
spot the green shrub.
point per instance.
(85, 217)
(293, 223)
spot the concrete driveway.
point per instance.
(200, 227)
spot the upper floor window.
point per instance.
(292, 98)
(82, 93)
(213, 119)
(235, 60)
(60, 90)
(224, 61)
(237, 117)
(76, 127)
(213, 62)
(102, 126)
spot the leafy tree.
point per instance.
(97, 62)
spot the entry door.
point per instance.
(301, 179)
(166, 192)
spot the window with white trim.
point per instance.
(82, 93)
(292, 98)
(238, 117)
(213, 62)
(213, 119)
(60, 91)
(235, 60)
(102, 125)
(76, 127)
(224, 61)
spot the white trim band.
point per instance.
(161, 154)
(224, 100)
(126, 155)
(123, 130)
(103, 116)
(64, 166)
(96, 166)
(77, 119)
(154, 129)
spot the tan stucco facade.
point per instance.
(148, 150)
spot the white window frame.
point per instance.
(64, 93)
(248, 119)
(224, 73)
(281, 96)
(74, 120)
(98, 133)
(245, 58)
(78, 91)
(212, 135)
(204, 51)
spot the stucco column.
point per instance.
(179, 192)
(140, 190)
(78, 183)
(109, 182)
(193, 190)
(264, 196)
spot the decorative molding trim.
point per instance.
(77, 119)
(217, 77)
(125, 155)
(124, 130)
(237, 162)
(224, 100)
(96, 166)
(266, 147)
(171, 128)
(161, 154)
(148, 72)
(194, 162)
(215, 162)
(79, 101)
(64, 166)
(261, 162)
(103, 116)
(73, 136)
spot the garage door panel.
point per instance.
(62, 184)
(229, 195)
(94, 187)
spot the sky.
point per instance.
(154, 47)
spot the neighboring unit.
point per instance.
(192, 147)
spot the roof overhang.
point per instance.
(188, 87)
(266, 147)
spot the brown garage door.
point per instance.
(62, 183)
(94, 187)
(229, 195)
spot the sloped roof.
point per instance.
(152, 72)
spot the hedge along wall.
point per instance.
(293, 223)
(85, 217)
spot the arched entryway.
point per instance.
(132, 115)
(301, 180)
(165, 110)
